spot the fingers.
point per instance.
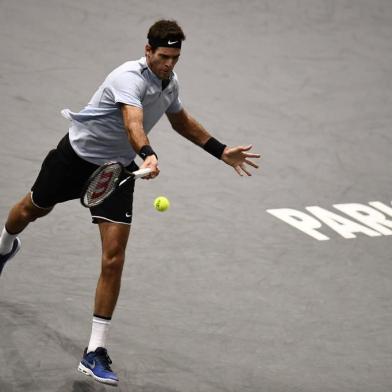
(155, 173)
(240, 169)
(249, 155)
(245, 148)
(152, 163)
(244, 169)
(251, 163)
(151, 175)
(248, 161)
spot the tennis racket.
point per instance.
(105, 180)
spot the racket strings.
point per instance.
(102, 184)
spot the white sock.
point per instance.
(6, 241)
(99, 333)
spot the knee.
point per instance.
(113, 261)
(30, 213)
(27, 214)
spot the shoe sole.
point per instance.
(88, 372)
(19, 244)
(17, 248)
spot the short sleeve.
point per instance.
(128, 88)
(175, 106)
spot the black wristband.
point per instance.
(146, 151)
(214, 147)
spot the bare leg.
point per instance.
(22, 214)
(114, 237)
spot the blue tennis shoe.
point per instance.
(97, 365)
(9, 255)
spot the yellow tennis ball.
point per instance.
(161, 203)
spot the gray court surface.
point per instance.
(218, 294)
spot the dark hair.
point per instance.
(165, 29)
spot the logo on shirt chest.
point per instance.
(153, 96)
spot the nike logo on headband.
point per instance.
(171, 42)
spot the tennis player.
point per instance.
(114, 127)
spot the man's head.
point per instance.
(164, 47)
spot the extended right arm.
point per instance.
(133, 123)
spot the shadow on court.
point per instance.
(15, 317)
(217, 294)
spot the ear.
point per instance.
(147, 49)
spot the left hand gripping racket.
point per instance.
(105, 180)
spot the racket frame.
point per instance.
(119, 181)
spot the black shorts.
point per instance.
(62, 178)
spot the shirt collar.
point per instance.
(154, 77)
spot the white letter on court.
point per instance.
(382, 207)
(300, 220)
(367, 215)
(343, 226)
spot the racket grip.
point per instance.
(141, 172)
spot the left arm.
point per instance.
(237, 157)
(184, 124)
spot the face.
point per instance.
(162, 61)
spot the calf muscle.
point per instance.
(22, 213)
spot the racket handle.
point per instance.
(141, 172)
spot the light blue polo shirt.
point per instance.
(97, 132)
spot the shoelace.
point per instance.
(105, 360)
